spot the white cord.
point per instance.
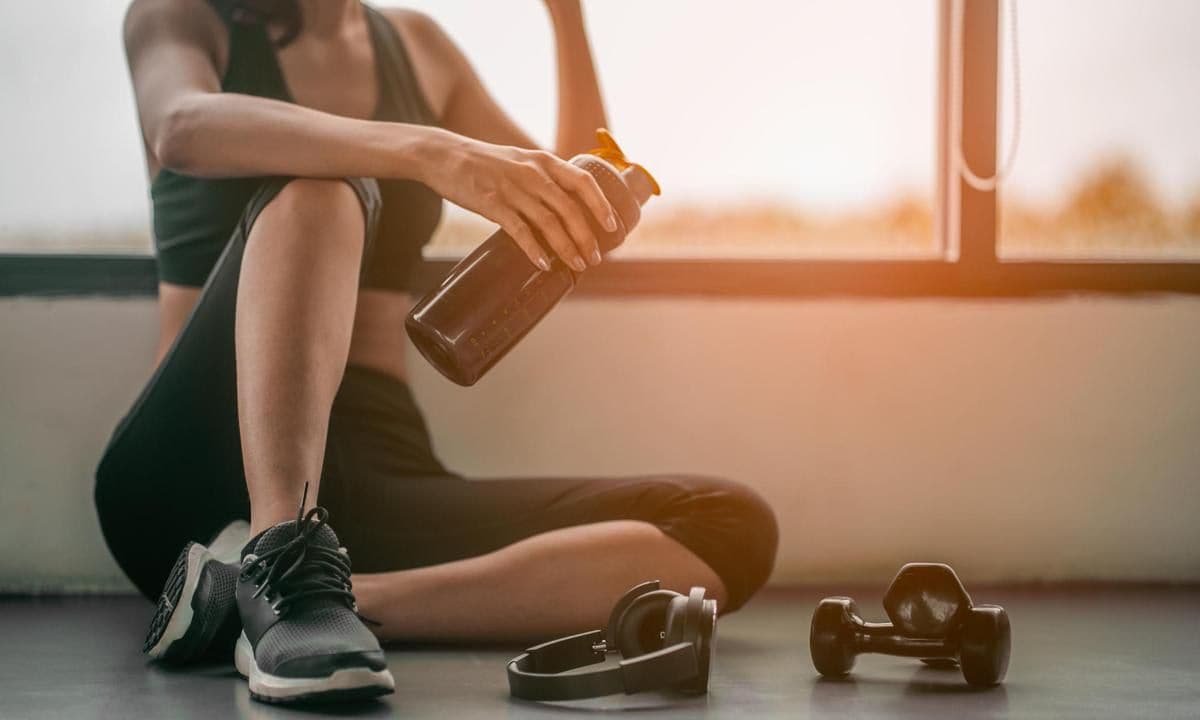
(983, 184)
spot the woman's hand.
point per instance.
(529, 193)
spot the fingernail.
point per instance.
(596, 257)
(579, 264)
(610, 223)
(544, 264)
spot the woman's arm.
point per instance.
(580, 106)
(192, 127)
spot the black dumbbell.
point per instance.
(932, 618)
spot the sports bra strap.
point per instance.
(405, 98)
(224, 9)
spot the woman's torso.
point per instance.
(367, 71)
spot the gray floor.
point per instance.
(1079, 652)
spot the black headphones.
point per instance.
(665, 639)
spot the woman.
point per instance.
(298, 152)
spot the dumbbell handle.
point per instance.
(871, 637)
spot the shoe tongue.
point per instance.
(285, 532)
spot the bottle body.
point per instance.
(488, 302)
(495, 295)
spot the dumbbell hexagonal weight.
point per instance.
(932, 618)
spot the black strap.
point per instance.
(406, 101)
(660, 669)
(538, 673)
(224, 9)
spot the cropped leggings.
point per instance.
(173, 473)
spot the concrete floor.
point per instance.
(1084, 652)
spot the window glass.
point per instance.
(775, 128)
(1109, 155)
(72, 176)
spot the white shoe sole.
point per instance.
(347, 683)
(181, 608)
(171, 637)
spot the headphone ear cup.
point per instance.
(706, 631)
(640, 629)
(676, 622)
(692, 619)
(614, 617)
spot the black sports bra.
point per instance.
(194, 217)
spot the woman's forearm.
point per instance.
(232, 135)
(580, 106)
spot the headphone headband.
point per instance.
(534, 675)
(541, 672)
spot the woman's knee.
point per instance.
(105, 491)
(328, 210)
(115, 510)
(316, 196)
(728, 525)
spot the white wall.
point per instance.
(1030, 439)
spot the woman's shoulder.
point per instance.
(421, 33)
(196, 16)
(192, 22)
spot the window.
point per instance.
(1109, 154)
(777, 130)
(804, 148)
(73, 177)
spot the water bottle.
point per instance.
(495, 295)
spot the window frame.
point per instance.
(967, 266)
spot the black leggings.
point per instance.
(173, 469)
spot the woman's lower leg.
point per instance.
(558, 582)
(295, 313)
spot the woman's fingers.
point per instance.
(547, 223)
(573, 194)
(584, 186)
(516, 227)
(575, 217)
(545, 204)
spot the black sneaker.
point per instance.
(196, 617)
(302, 639)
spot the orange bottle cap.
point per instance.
(609, 150)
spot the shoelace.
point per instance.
(300, 569)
